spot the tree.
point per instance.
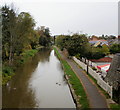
(44, 36)
(17, 33)
(25, 32)
(8, 32)
(59, 41)
(115, 48)
(105, 49)
(43, 40)
(77, 44)
(47, 32)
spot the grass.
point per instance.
(75, 82)
(115, 106)
(26, 55)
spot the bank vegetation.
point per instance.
(20, 39)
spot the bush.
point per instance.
(94, 68)
(78, 56)
(26, 55)
(7, 71)
(115, 48)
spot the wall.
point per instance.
(95, 75)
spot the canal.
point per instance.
(39, 83)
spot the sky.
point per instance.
(92, 17)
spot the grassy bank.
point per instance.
(75, 82)
(26, 55)
(9, 71)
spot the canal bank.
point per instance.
(39, 83)
(75, 85)
(8, 71)
(96, 99)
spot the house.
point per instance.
(95, 41)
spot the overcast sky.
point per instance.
(95, 17)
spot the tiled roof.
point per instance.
(105, 59)
(96, 41)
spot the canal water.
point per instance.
(39, 83)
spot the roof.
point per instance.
(96, 44)
(100, 42)
(105, 59)
(104, 68)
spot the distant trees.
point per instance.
(106, 37)
(44, 36)
(78, 45)
(75, 44)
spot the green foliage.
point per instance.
(18, 33)
(43, 40)
(115, 48)
(115, 106)
(47, 32)
(7, 71)
(75, 44)
(75, 82)
(97, 52)
(94, 68)
(44, 36)
(60, 41)
(78, 56)
(8, 31)
(18, 39)
(26, 55)
(105, 50)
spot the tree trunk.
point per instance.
(10, 56)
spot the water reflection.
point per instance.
(39, 83)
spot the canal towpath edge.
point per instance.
(96, 99)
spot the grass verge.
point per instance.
(115, 106)
(75, 82)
